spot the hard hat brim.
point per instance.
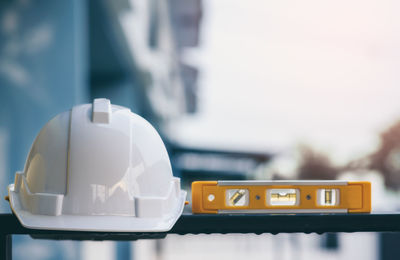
(100, 223)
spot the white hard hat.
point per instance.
(97, 167)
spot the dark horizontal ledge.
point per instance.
(225, 224)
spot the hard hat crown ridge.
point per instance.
(97, 167)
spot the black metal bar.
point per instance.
(285, 223)
(245, 223)
(223, 224)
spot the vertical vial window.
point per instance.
(282, 197)
(328, 197)
(237, 197)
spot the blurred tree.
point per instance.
(315, 165)
(387, 158)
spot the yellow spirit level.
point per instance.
(281, 197)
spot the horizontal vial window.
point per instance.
(282, 197)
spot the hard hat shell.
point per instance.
(97, 167)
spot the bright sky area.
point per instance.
(278, 73)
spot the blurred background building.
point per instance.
(237, 89)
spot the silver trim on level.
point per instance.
(284, 211)
(300, 183)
